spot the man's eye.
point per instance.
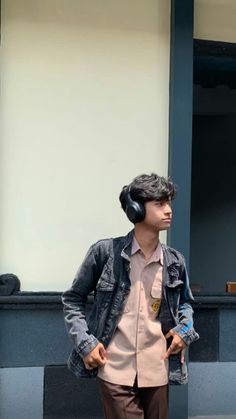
(161, 203)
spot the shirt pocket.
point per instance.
(156, 291)
(155, 301)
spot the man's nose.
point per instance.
(168, 209)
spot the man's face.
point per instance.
(158, 215)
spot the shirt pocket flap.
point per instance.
(156, 292)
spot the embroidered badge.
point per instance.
(156, 305)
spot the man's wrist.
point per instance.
(88, 346)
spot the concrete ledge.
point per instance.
(34, 300)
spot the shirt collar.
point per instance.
(135, 246)
(157, 254)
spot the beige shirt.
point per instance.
(138, 345)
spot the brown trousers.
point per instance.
(124, 402)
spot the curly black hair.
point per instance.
(146, 188)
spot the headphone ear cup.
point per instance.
(135, 211)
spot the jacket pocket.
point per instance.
(178, 373)
(106, 281)
(173, 292)
(174, 284)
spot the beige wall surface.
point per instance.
(215, 20)
(85, 97)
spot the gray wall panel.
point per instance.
(21, 393)
(206, 349)
(68, 397)
(212, 388)
(34, 338)
(227, 346)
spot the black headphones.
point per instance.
(135, 211)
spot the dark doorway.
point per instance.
(213, 202)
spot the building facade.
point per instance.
(94, 93)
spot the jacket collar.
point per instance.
(169, 256)
(172, 263)
(127, 245)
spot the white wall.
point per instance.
(85, 94)
(215, 20)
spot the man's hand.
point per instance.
(96, 358)
(177, 345)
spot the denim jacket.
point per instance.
(105, 271)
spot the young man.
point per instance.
(141, 317)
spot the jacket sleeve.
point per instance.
(74, 303)
(185, 327)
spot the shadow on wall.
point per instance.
(213, 238)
